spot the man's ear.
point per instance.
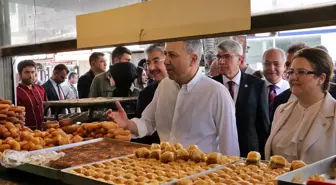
(194, 59)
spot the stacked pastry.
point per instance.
(17, 137)
(11, 113)
(250, 172)
(159, 164)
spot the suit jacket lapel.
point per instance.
(53, 90)
(243, 89)
(321, 123)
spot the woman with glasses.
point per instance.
(304, 129)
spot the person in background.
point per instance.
(143, 63)
(69, 88)
(209, 58)
(177, 111)
(155, 64)
(250, 96)
(103, 84)
(292, 49)
(30, 95)
(97, 66)
(213, 69)
(53, 86)
(304, 129)
(246, 68)
(37, 81)
(259, 75)
(285, 96)
(273, 69)
(124, 75)
(142, 78)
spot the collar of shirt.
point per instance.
(25, 87)
(132, 88)
(189, 86)
(53, 82)
(236, 79)
(277, 85)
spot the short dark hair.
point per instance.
(119, 51)
(293, 48)
(72, 74)
(95, 55)
(61, 67)
(25, 63)
(139, 71)
(142, 63)
(124, 74)
(320, 61)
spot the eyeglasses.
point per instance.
(225, 56)
(299, 72)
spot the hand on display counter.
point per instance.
(120, 118)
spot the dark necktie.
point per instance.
(231, 84)
(61, 97)
(271, 94)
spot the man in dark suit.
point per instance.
(53, 86)
(249, 95)
(155, 58)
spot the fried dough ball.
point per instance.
(195, 155)
(213, 158)
(77, 138)
(167, 157)
(178, 146)
(170, 148)
(155, 154)
(155, 147)
(142, 153)
(182, 154)
(164, 145)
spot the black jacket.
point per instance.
(84, 84)
(144, 99)
(284, 97)
(252, 114)
(52, 95)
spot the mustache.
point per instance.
(154, 71)
(271, 72)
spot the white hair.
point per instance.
(231, 46)
(282, 54)
(154, 47)
(194, 46)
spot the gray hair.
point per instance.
(282, 54)
(154, 47)
(231, 46)
(194, 46)
(210, 56)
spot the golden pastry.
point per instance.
(142, 153)
(253, 158)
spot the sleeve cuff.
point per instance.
(142, 128)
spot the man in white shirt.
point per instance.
(188, 107)
(273, 68)
(249, 95)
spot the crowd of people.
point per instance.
(286, 109)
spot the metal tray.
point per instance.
(53, 173)
(70, 178)
(204, 173)
(46, 171)
(322, 167)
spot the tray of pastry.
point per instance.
(47, 171)
(160, 164)
(89, 101)
(245, 171)
(81, 153)
(323, 171)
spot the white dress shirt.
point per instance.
(201, 112)
(249, 70)
(280, 87)
(56, 88)
(236, 81)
